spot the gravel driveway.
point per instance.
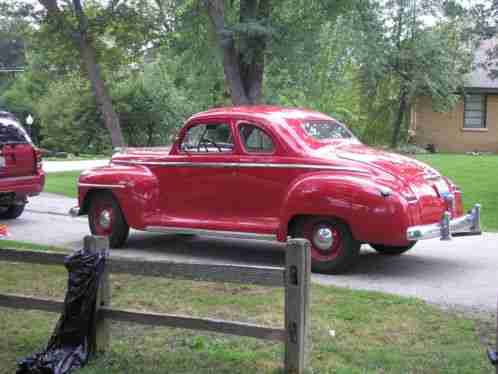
(462, 273)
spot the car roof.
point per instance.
(270, 113)
(4, 114)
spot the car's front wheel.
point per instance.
(392, 250)
(333, 248)
(11, 211)
(105, 218)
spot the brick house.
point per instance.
(472, 125)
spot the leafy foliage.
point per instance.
(22, 96)
(401, 58)
(162, 60)
(69, 117)
(151, 106)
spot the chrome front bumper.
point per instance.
(469, 224)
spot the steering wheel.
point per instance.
(205, 141)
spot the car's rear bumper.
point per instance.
(469, 224)
(30, 185)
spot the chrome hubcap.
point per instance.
(105, 219)
(323, 238)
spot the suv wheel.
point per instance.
(11, 211)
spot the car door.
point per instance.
(263, 178)
(197, 190)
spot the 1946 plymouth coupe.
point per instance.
(264, 172)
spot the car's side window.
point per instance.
(208, 138)
(255, 140)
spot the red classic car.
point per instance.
(270, 173)
(21, 173)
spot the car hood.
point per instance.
(399, 166)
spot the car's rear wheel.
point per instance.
(11, 211)
(392, 250)
(105, 218)
(333, 248)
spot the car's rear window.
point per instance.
(10, 132)
(326, 130)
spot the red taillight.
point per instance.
(38, 159)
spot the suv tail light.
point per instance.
(38, 158)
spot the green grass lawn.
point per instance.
(62, 183)
(15, 244)
(374, 332)
(477, 176)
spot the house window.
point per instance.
(475, 111)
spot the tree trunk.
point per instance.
(231, 61)
(399, 118)
(102, 97)
(87, 53)
(254, 70)
(243, 74)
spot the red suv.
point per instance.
(21, 173)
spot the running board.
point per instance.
(211, 233)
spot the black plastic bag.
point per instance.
(69, 347)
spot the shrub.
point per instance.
(69, 118)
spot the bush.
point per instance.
(150, 107)
(21, 97)
(69, 118)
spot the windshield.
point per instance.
(326, 130)
(12, 133)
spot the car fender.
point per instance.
(135, 187)
(380, 214)
(317, 194)
(371, 210)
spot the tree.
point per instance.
(401, 57)
(484, 26)
(69, 117)
(243, 65)
(13, 45)
(82, 39)
(109, 36)
(249, 31)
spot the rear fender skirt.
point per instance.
(135, 188)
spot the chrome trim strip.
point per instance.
(27, 177)
(432, 177)
(470, 224)
(205, 232)
(101, 185)
(238, 165)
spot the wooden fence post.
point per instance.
(100, 335)
(297, 299)
(496, 347)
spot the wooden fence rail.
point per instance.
(294, 277)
